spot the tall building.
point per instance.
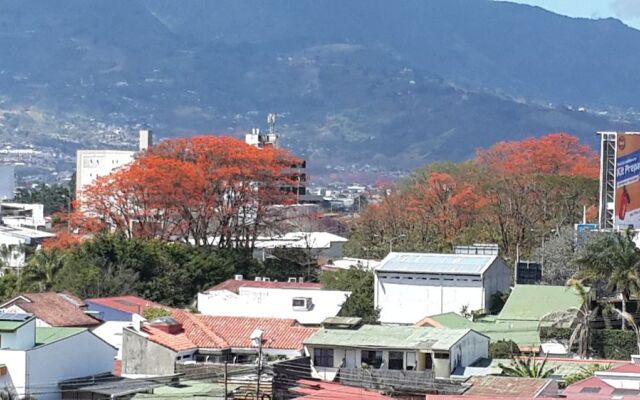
(92, 164)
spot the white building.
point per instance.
(307, 303)
(410, 286)
(349, 262)
(14, 240)
(35, 359)
(23, 215)
(92, 164)
(324, 246)
(409, 351)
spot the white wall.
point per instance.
(497, 278)
(77, 356)
(91, 164)
(620, 380)
(272, 303)
(469, 349)
(15, 360)
(407, 298)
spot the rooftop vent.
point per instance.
(167, 324)
(238, 277)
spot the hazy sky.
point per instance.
(626, 10)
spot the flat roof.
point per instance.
(436, 263)
(398, 337)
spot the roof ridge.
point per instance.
(206, 330)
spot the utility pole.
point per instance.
(225, 379)
(259, 369)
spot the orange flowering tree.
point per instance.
(205, 190)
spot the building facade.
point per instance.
(410, 286)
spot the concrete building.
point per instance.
(304, 302)
(15, 240)
(7, 182)
(154, 348)
(343, 345)
(92, 164)
(22, 215)
(36, 359)
(409, 286)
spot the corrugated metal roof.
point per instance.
(398, 337)
(436, 263)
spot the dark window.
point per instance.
(372, 358)
(396, 360)
(323, 357)
(590, 390)
(441, 355)
(299, 303)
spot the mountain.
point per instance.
(392, 84)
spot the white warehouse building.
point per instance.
(411, 286)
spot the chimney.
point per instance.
(146, 139)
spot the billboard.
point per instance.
(627, 195)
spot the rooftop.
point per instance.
(303, 240)
(501, 386)
(436, 263)
(400, 337)
(519, 305)
(127, 304)
(207, 332)
(318, 390)
(233, 285)
(46, 336)
(56, 309)
(9, 322)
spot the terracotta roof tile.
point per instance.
(627, 368)
(502, 386)
(233, 285)
(593, 382)
(56, 309)
(203, 331)
(318, 390)
(128, 304)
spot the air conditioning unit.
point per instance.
(238, 277)
(292, 280)
(302, 303)
(265, 279)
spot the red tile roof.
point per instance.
(318, 390)
(203, 331)
(628, 368)
(503, 386)
(128, 304)
(603, 388)
(56, 309)
(233, 285)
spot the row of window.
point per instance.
(323, 357)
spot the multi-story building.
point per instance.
(92, 164)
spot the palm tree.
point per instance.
(579, 318)
(41, 270)
(614, 259)
(527, 367)
(625, 316)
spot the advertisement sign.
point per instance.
(627, 207)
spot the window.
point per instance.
(396, 360)
(411, 361)
(372, 358)
(299, 302)
(441, 356)
(302, 303)
(323, 357)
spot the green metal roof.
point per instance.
(398, 337)
(10, 326)
(562, 368)
(523, 333)
(187, 389)
(532, 302)
(47, 335)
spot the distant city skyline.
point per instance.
(628, 11)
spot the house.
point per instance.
(345, 346)
(120, 308)
(520, 317)
(35, 359)
(15, 240)
(154, 348)
(323, 246)
(409, 286)
(306, 302)
(52, 309)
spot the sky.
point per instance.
(627, 11)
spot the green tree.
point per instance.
(614, 259)
(586, 372)
(41, 270)
(578, 318)
(503, 349)
(360, 282)
(54, 198)
(527, 367)
(152, 313)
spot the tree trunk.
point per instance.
(624, 310)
